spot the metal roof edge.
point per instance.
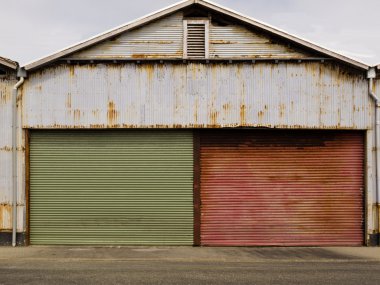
(109, 34)
(180, 5)
(281, 33)
(8, 63)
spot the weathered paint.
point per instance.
(160, 39)
(236, 41)
(154, 95)
(261, 187)
(6, 84)
(164, 39)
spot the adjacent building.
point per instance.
(8, 79)
(194, 125)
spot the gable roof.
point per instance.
(8, 63)
(183, 4)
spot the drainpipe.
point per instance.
(371, 75)
(14, 158)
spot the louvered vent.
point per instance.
(196, 39)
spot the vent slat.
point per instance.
(196, 46)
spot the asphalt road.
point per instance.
(209, 266)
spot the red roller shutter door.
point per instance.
(288, 188)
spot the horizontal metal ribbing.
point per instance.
(282, 188)
(111, 187)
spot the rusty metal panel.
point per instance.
(6, 84)
(377, 86)
(160, 39)
(287, 188)
(154, 95)
(236, 41)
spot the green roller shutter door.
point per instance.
(111, 187)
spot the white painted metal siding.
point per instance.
(160, 39)
(286, 95)
(235, 41)
(164, 39)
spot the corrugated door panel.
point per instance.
(292, 188)
(111, 187)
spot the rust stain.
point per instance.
(77, 114)
(112, 113)
(20, 148)
(151, 55)
(196, 111)
(95, 113)
(5, 217)
(97, 126)
(226, 107)
(149, 68)
(72, 70)
(6, 148)
(68, 101)
(152, 42)
(243, 110)
(214, 117)
(4, 97)
(187, 126)
(223, 42)
(282, 108)
(260, 115)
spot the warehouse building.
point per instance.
(195, 125)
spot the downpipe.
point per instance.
(14, 159)
(371, 76)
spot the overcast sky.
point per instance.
(30, 29)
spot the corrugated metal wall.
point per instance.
(374, 215)
(236, 41)
(300, 188)
(6, 85)
(160, 39)
(285, 95)
(111, 187)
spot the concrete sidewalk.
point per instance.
(192, 254)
